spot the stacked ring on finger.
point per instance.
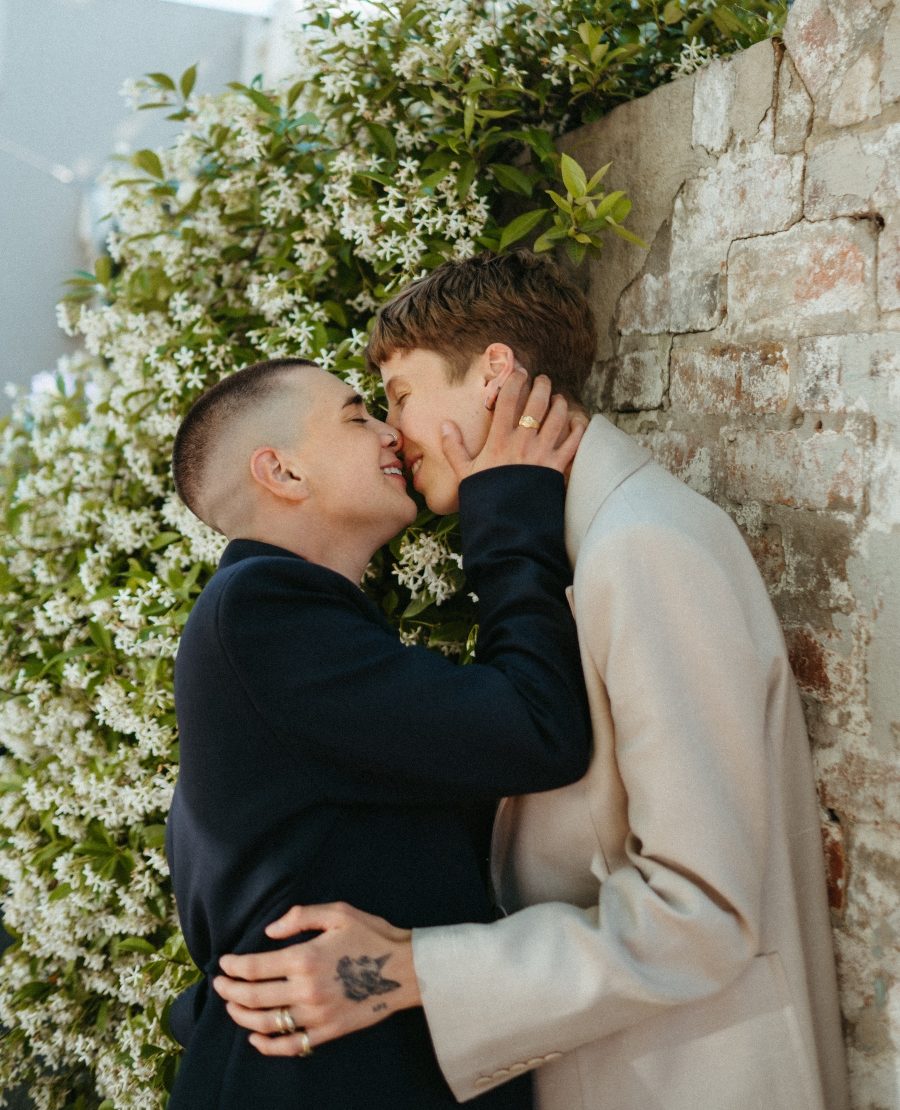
(284, 1022)
(527, 421)
(305, 1044)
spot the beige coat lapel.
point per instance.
(605, 459)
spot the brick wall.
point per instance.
(756, 350)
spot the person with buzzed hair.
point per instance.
(320, 757)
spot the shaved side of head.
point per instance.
(246, 410)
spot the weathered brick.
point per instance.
(793, 115)
(823, 667)
(640, 380)
(889, 264)
(835, 372)
(764, 192)
(823, 471)
(754, 70)
(854, 174)
(725, 378)
(890, 63)
(814, 42)
(767, 549)
(836, 863)
(675, 302)
(683, 455)
(858, 98)
(816, 549)
(811, 279)
(714, 90)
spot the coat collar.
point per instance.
(606, 457)
(247, 549)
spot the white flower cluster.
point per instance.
(428, 567)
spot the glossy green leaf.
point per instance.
(519, 227)
(573, 176)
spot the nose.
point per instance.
(392, 437)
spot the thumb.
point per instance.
(454, 448)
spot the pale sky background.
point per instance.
(62, 64)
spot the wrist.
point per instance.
(405, 970)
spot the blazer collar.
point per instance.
(606, 457)
(247, 549)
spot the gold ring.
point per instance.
(305, 1046)
(528, 422)
(284, 1021)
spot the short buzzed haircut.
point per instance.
(521, 299)
(198, 433)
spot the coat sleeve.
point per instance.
(679, 917)
(378, 721)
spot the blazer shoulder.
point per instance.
(271, 578)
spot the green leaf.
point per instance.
(465, 178)
(606, 206)
(383, 139)
(575, 251)
(543, 242)
(103, 269)
(624, 233)
(188, 80)
(598, 177)
(263, 102)
(148, 161)
(561, 202)
(519, 227)
(469, 117)
(673, 12)
(573, 176)
(135, 944)
(512, 178)
(163, 80)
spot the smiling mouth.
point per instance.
(414, 469)
(392, 471)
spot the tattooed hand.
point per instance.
(332, 985)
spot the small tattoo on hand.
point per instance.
(362, 977)
(379, 1007)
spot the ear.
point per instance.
(498, 362)
(275, 472)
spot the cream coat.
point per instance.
(669, 945)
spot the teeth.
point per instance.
(393, 470)
(416, 465)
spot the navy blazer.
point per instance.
(323, 760)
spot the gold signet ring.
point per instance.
(529, 422)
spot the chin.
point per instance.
(443, 503)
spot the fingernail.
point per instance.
(521, 370)
(446, 428)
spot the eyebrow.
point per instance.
(353, 399)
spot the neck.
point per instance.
(344, 554)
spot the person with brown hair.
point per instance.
(668, 941)
(319, 756)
